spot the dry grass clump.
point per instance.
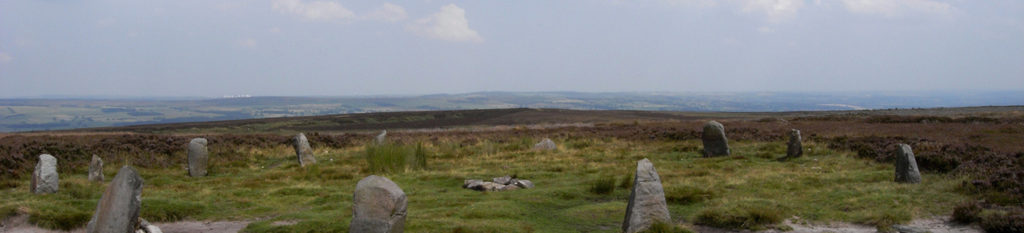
(753, 214)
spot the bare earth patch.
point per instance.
(933, 225)
(20, 224)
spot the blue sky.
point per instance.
(341, 48)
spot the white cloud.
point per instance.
(892, 8)
(4, 58)
(449, 24)
(387, 13)
(315, 10)
(775, 10)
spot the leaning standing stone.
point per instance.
(44, 178)
(715, 143)
(198, 157)
(795, 147)
(545, 144)
(96, 169)
(381, 137)
(378, 206)
(303, 151)
(118, 209)
(647, 200)
(906, 165)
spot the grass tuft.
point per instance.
(166, 210)
(626, 182)
(603, 186)
(63, 220)
(395, 158)
(662, 227)
(753, 215)
(687, 194)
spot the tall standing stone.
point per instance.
(96, 169)
(381, 137)
(715, 143)
(118, 209)
(794, 147)
(198, 157)
(45, 178)
(906, 165)
(302, 150)
(378, 206)
(647, 200)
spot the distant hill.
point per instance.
(54, 114)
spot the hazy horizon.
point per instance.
(321, 48)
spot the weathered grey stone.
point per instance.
(382, 137)
(45, 178)
(118, 209)
(96, 169)
(504, 180)
(646, 201)
(908, 229)
(479, 185)
(302, 150)
(545, 144)
(794, 147)
(198, 157)
(524, 184)
(906, 165)
(715, 143)
(146, 227)
(378, 206)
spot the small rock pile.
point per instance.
(498, 184)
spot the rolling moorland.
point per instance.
(972, 160)
(68, 113)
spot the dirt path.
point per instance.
(20, 224)
(933, 225)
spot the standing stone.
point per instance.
(715, 143)
(45, 178)
(381, 137)
(96, 169)
(378, 206)
(198, 157)
(795, 147)
(647, 200)
(906, 165)
(118, 209)
(302, 150)
(545, 144)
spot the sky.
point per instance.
(345, 48)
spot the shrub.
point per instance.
(1002, 221)
(603, 185)
(967, 212)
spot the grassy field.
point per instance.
(750, 189)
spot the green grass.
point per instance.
(743, 191)
(395, 158)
